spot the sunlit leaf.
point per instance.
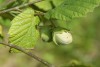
(45, 5)
(57, 2)
(23, 32)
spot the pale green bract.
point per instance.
(70, 9)
(23, 30)
(57, 2)
(45, 5)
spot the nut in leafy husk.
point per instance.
(62, 37)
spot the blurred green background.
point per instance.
(85, 48)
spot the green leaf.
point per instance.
(23, 32)
(45, 5)
(57, 2)
(70, 9)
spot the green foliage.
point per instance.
(23, 30)
(61, 23)
(26, 34)
(70, 9)
(57, 2)
(45, 5)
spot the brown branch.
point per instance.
(18, 7)
(29, 54)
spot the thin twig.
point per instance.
(18, 7)
(29, 54)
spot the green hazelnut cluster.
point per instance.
(59, 36)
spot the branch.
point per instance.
(18, 7)
(29, 54)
